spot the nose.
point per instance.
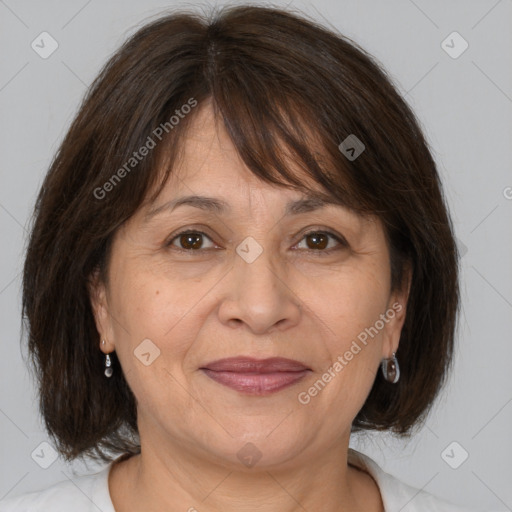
(258, 295)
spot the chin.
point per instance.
(254, 444)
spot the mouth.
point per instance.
(256, 376)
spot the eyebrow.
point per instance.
(211, 204)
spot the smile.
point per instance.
(256, 377)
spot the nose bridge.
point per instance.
(257, 266)
(259, 295)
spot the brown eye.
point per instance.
(189, 241)
(317, 241)
(321, 241)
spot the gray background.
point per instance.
(465, 107)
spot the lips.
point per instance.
(249, 364)
(256, 376)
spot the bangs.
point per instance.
(283, 144)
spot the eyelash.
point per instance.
(319, 252)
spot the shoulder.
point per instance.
(399, 496)
(80, 494)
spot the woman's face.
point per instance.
(264, 280)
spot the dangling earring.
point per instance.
(390, 369)
(108, 366)
(108, 363)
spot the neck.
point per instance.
(177, 479)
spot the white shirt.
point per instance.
(90, 493)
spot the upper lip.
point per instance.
(253, 365)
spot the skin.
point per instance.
(197, 307)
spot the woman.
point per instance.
(241, 254)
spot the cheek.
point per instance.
(153, 333)
(164, 308)
(349, 308)
(149, 300)
(351, 301)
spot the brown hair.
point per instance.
(270, 74)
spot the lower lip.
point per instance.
(256, 383)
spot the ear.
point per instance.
(98, 297)
(396, 313)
